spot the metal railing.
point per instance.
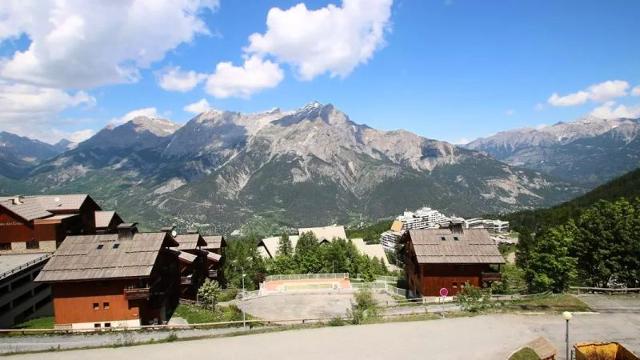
(308, 276)
(588, 289)
(23, 266)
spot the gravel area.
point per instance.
(629, 303)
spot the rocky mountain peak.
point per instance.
(156, 126)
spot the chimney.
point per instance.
(456, 226)
(169, 230)
(127, 230)
(17, 200)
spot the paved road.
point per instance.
(627, 303)
(482, 337)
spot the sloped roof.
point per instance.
(214, 241)
(213, 256)
(442, 246)
(190, 241)
(90, 257)
(186, 257)
(327, 233)
(103, 218)
(268, 247)
(40, 206)
(371, 250)
(29, 209)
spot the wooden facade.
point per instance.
(111, 303)
(449, 259)
(42, 229)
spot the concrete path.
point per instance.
(482, 337)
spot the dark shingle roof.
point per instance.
(90, 257)
(190, 241)
(442, 246)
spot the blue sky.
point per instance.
(445, 69)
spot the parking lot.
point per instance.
(287, 306)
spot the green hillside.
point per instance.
(626, 186)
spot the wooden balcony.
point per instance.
(213, 274)
(491, 276)
(185, 280)
(137, 293)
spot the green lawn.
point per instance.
(525, 354)
(37, 323)
(197, 315)
(551, 302)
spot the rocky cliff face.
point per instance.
(310, 166)
(588, 151)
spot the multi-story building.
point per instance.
(493, 226)
(39, 223)
(113, 280)
(423, 218)
(20, 297)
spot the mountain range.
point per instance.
(589, 151)
(310, 166)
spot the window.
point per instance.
(33, 244)
(97, 325)
(100, 246)
(105, 305)
(455, 285)
(107, 325)
(96, 306)
(455, 238)
(5, 246)
(443, 238)
(115, 246)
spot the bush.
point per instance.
(365, 306)
(208, 293)
(336, 321)
(228, 295)
(473, 299)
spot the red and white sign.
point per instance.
(444, 292)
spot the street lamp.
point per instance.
(567, 316)
(244, 315)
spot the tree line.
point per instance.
(600, 248)
(309, 256)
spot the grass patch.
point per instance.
(525, 354)
(37, 323)
(197, 315)
(551, 302)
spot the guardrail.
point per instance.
(610, 291)
(308, 276)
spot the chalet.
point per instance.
(193, 263)
(215, 246)
(113, 280)
(449, 258)
(39, 223)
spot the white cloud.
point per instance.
(636, 91)
(597, 92)
(241, 81)
(80, 135)
(31, 110)
(609, 110)
(198, 107)
(174, 79)
(150, 112)
(461, 141)
(330, 39)
(79, 44)
(578, 98)
(510, 112)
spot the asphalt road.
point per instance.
(482, 337)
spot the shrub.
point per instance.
(473, 299)
(365, 306)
